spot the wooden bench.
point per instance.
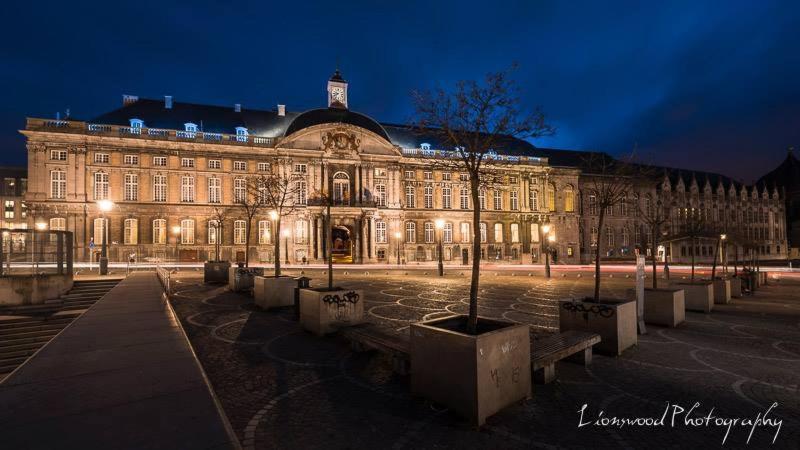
(547, 350)
(368, 336)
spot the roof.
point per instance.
(335, 115)
(786, 175)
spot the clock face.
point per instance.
(337, 94)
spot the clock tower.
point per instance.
(337, 91)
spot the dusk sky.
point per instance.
(703, 85)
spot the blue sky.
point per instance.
(703, 85)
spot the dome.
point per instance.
(335, 115)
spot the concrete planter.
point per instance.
(273, 292)
(699, 295)
(614, 320)
(323, 311)
(736, 287)
(242, 279)
(762, 278)
(666, 306)
(216, 271)
(722, 291)
(33, 289)
(474, 375)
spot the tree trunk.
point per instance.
(694, 249)
(655, 256)
(714, 264)
(247, 242)
(472, 321)
(597, 254)
(278, 246)
(329, 235)
(735, 259)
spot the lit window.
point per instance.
(239, 190)
(240, 165)
(498, 232)
(239, 230)
(411, 232)
(569, 199)
(551, 197)
(214, 164)
(159, 188)
(58, 224)
(160, 161)
(130, 234)
(58, 155)
(300, 168)
(101, 158)
(465, 232)
(131, 160)
(131, 187)
(100, 186)
(380, 195)
(380, 232)
(264, 232)
(214, 190)
(187, 189)
(187, 163)
(9, 209)
(263, 167)
(159, 231)
(241, 134)
(58, 184)
(447, 233)
(187, 231)
(430, 234)
(514, 233)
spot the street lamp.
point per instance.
(397, 236)
(104, 206)
(40, 226)
(285, 234)
(547, 240)
(722, 238)
(440, 227)
(176, 230)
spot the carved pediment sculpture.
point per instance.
(340, 140)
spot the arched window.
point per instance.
(136, 125)
(411, 232)
(514, 232)
(341, 188)
(241, 134)
(187, 231)
(569, 199)
(131, 232)
(159, 231)
(239, 232)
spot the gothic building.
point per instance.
(166, 165)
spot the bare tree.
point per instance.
(693, 227)
(281, 191)
(323, 197)
(469, 122)
(609, 182)
(218, 216)
(250, 199)
(654, 216)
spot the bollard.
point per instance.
(302, 283)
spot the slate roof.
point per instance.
(786, 175)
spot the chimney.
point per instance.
(281, 110)
(237, 107)
(128, 99)
(167, 102)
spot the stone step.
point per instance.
(13, 339)
(9, 365)
(44, 334)
(8, 349)
(5, 356)
(42, 326)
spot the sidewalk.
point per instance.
(121, 376)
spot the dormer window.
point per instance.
(425, 146)
(189, 126)
(241, 134)
(137, 125)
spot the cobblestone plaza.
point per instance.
(281, 387)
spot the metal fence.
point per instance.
(35, 252)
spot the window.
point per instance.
(131, 160)
(514, 233)
(570, 251)
(130, 234)
(512, 180)
(160, 161)
(427, 175)
(101, 158)
(239, 230)
(239, 190)
(159, 188)
(300, 191)
(610, 210)
(465, 237)
(534, 201)
(463, 177)
(240, 165)
(213, 231)
(534, 232)
(409, 175)
(241, 134)
(100, 186)
(498, 232)
(136, 125)
(300, 168)
(428, 198)
(551, 197)
(514, 200)
(446, 197)
(464, 198)
(99, 231)
(187, 163)
(626, 238)
(592, 205)
(569, 200)
(483, 232)
(341, 188)
(9, 209)
(301, 232)
(609, 237)
(187, 231)
(58, 155)
(411, 232)
(58, 184)
(159, 231)
(380, 232)
(214, 164)
(648, 207)
(58, 224)
(430, 235)
(214, 190)
(379, 172)
(410, 197)
(498, 200)
(263, 167)
(447, 176)
(264, 232)
(131, 188)
(623, 206)
(447, 233)
(187, 189)
(380, 194)
(594, 236)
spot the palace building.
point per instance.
(166, 165)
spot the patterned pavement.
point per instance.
(284, 388)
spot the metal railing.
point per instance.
(24, 251)
(164, 278)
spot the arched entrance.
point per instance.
(342, 245)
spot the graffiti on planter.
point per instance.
(343, 307)
(498, 377)
(596, 310)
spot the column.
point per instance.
(320, 222)
(371, 242)
(325, 176)
(358, 184)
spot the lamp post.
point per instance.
(546, 231)
(176, 230)
(398, 235)
(440, 228)
(722, 238)
(40, 226)
(285, 234)
(104, 206)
